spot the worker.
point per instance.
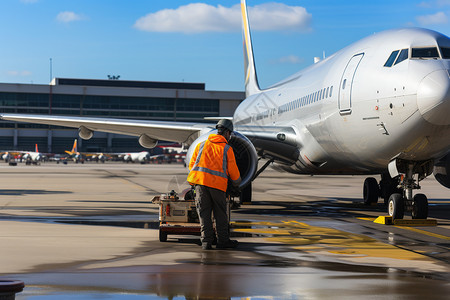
(211, 166)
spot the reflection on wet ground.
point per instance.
(6, 192)
(291, 246)
(275, 260)
(196, 280)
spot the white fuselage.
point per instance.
(351, 114)
(32, 156)
(140, 157)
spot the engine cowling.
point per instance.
(441, 171)
(85, 133)
(245, 153)
(147, 142)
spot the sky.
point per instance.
(190, 40)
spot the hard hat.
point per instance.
(225, 123)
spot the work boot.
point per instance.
(227, 244)
(206, 246)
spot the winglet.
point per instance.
(251, 80)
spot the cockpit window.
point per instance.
(402, 56)
(391, 58)
(425, 53)
(445, 52)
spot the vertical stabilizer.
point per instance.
(251, 80)
(36, 148)
(74, 148)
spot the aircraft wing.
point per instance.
(181, 132)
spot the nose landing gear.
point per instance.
(404, 201)
(397, 189)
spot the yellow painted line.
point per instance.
(313, 239)
(439, 236)
(296, 223)
(366, 219)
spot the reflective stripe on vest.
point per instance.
(209, 171)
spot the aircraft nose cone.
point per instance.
(433, 98)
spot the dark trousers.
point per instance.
(208, 201)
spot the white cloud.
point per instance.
(278, 16)
(19, 73)
(68, 16)
(201, 17)
(437, 18)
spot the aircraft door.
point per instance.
(345, 88)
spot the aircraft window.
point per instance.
(343, 84)
(430, 52)
(445, 52)
(328, 89)
(402, 56)
(331, 90)
(391, 58)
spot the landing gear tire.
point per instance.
(396, 208)
(246, 195)
(371, 191)
(420, 207)
(388, 186)
(162, 236)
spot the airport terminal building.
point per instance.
(148, 100)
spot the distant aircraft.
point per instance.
(29, 157)
(32, 157)
(379, 106)
(6, 156)
(140, 157)
(77, 156)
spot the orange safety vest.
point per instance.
(212, 163)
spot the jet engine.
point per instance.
(147, 142)
(245, 153)
(441, 171)
(85, 133)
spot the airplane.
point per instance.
(29, 157)
(379, 106)
(140, 157)
(32, 157)
(78, 157)
(6, 156)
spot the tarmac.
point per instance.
(91, 232)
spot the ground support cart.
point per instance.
(178, 216)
